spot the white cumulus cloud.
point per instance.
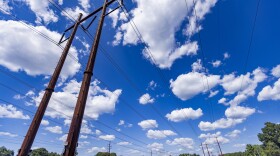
(276, 71)
(145, 99)
(55, 129)
(107, 137)
(191, 84)
(270, 92)
(184, 114)
(99, 100)
(9, 111)
(159, 134)
(19, 54)
(239, 112)
(8, 134)
(147, 124)
(167, 18)
(185, 142)
(42, 11)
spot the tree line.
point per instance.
(270, 138)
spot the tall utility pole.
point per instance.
(151, 152)
(74, 131)
(109, 148)
(202, 149)
(219, 146)
(33, 128)
(207, 150)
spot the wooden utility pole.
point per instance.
(35, 124)
(219, 146)
(74, 131)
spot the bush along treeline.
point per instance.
(37, 152)
(270, 138)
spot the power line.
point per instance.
(23, 81)
(107, 55)
(250, 43)
(136, 30)
(69, 117)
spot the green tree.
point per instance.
(271, 149)
(42, 152)
(270, 134)
(187, 154)
(5, 152)
(105, 154)
(254, 150)
(235, 154)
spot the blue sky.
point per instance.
(198, 84)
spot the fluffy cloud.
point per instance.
(74, 12)
(212, 138)
(121, 122)
(5, 6)
(213, 93)
(42, 11)
(114, 16)
(185, 142)
(63, 137)
(209, 135)
(147, 124)
(276, 71)
(8, 134)
(159, 134)
(96, 149)
(239, 112)
(152, 85)
(235, 115)
(188, 85)
(124, 143)
(85, 4)
(163, 29)
(249, 81)
(107, 137)
(197, 66)
(201, 8)
(223, 101)
(145, 99)
(184, 114)
(155, 146)
(55, 129)
(19, 54)
(117, 39)
(216, 63)
(233, 134)
(270, 92)
(85, 129)
(219, 124)
(9, 111)
(99, 100)
(226, 55)
(83, 136)
(45, 122)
